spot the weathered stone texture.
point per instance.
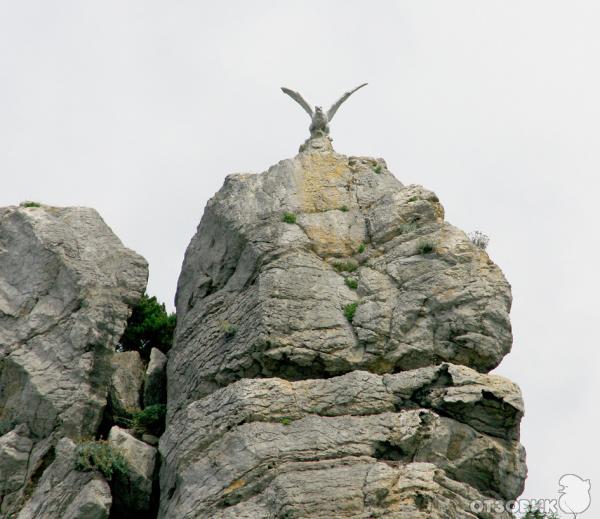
(133, 490)
(155, 381)
(67, 285)
(286, 401)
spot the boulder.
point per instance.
(126, 383)
(133, 490)
(155, 382)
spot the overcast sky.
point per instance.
(140, 109)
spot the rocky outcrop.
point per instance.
(155, 381)
(67, 285)
(66, 492)
(331, 355)
(126, 383)
(133, 489)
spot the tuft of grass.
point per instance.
(228, 329)
(289, 217)
(286, 420)
(425, 247)
(350, 310)
(378, 169)
(361, 248)
(351, 283)
(99, 455)
(344, 266)
(413, 199)
(30, 203)
(405, 228)
(344, 209)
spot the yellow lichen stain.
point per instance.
(324, 176)
(326, 243)
(238, 483)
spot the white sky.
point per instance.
(140, 109)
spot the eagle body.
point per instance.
(319, 120)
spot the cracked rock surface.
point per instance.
(332, 351)
(67, 285)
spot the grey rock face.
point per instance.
(67, 285)
(333, 339)
(133, 490)
(425, 293)
(155, 382)
(126, 383)
(67, 493)
(253, 429)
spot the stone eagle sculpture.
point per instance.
(319, 125)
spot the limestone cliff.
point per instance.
(67, 285)
(331, 355)
(331, 358)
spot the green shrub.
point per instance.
(351, 283)
(286, 420)
(289, 217)
(345, 266)
(344, 209)
(378, 169)
(150, 326)
(361, 248)
(99, 455)
(29, 203)
(150, 420)
(413, 199)
(350, 310)
(425, 247)
(228, 329)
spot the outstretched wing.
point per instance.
(338, 103)
(299, 99)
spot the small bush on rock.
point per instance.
(351, 283)
(425, 247)
(479, 239)
(150, 420)
(345, 266)
(99, 455)
(29, 203)
(289, 217)
(350, 310)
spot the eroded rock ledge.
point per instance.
(334, 335)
